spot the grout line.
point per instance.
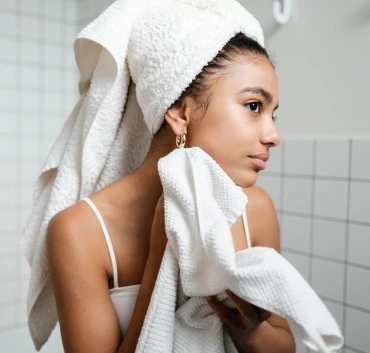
(47, 18)
(317, 177)
(347, 239)
(18, 103)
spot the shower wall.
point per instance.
(320, 186)
(321, 191)
(38, 89)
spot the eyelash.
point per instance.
(274, 118)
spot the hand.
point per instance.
(240, 321)
(158, 237)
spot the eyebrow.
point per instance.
(260, 90)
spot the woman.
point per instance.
(227, 111)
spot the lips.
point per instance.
(262, 156)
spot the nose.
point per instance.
(270, 134)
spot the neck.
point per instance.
(144, 182)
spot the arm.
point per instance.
(88, 322)
(158, 242)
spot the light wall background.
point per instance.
(318, 177)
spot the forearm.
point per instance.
(129, 342)
(265, 339)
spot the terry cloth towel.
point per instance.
(134, 60)
(201, 203)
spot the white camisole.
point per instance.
(124, 298)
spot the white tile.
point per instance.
(53, 80)
(52, 103)
(329, 239)
(358, 287)
(8, 196)
(359, 203)
(337, 311)
(295, 233)
(298, 157)
(30, 78)
(8, 49)
(8, 268)
(30, 52)
(332, 158)
(52, 55)
(30, 101)
(328, 279)
(297, 195)
(8, 148)
(359, 244)
(8, 74)
(8, 172)
(7, 221)
(8, 101)
(26, 194)
(274, 163)
(29, 171)
(357, 329)
(7, 315)
(8, 23)
(29, 149)
(22, 313)
(9, 4)
(30, 27)
(23, 287)
(53, 30)
(30, 6)
(71, 11)
(8, 243)
(331, 198)
(69, 35)
(52, 9)
(360, 159)
(8, 291)
(301, 263)
(30, 123)
(271, 185)
(8, 123)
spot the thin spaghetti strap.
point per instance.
(107, 239)
(246, 228)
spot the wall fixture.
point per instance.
(282, 10)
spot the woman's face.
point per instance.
(238, 122)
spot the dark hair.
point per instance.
(235, 49)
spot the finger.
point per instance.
(262, 313)
(227, 315)
(245, 308)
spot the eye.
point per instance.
(258, 104)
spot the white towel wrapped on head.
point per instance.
(201, 203)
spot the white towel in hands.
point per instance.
(201, 204)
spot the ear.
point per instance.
(178, 116)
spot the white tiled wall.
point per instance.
(321, 190)
(38, 85)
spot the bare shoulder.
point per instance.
(87, 318)
(262, 218)
(76, 229)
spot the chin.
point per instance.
(246, 181)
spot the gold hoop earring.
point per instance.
(180, 142)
